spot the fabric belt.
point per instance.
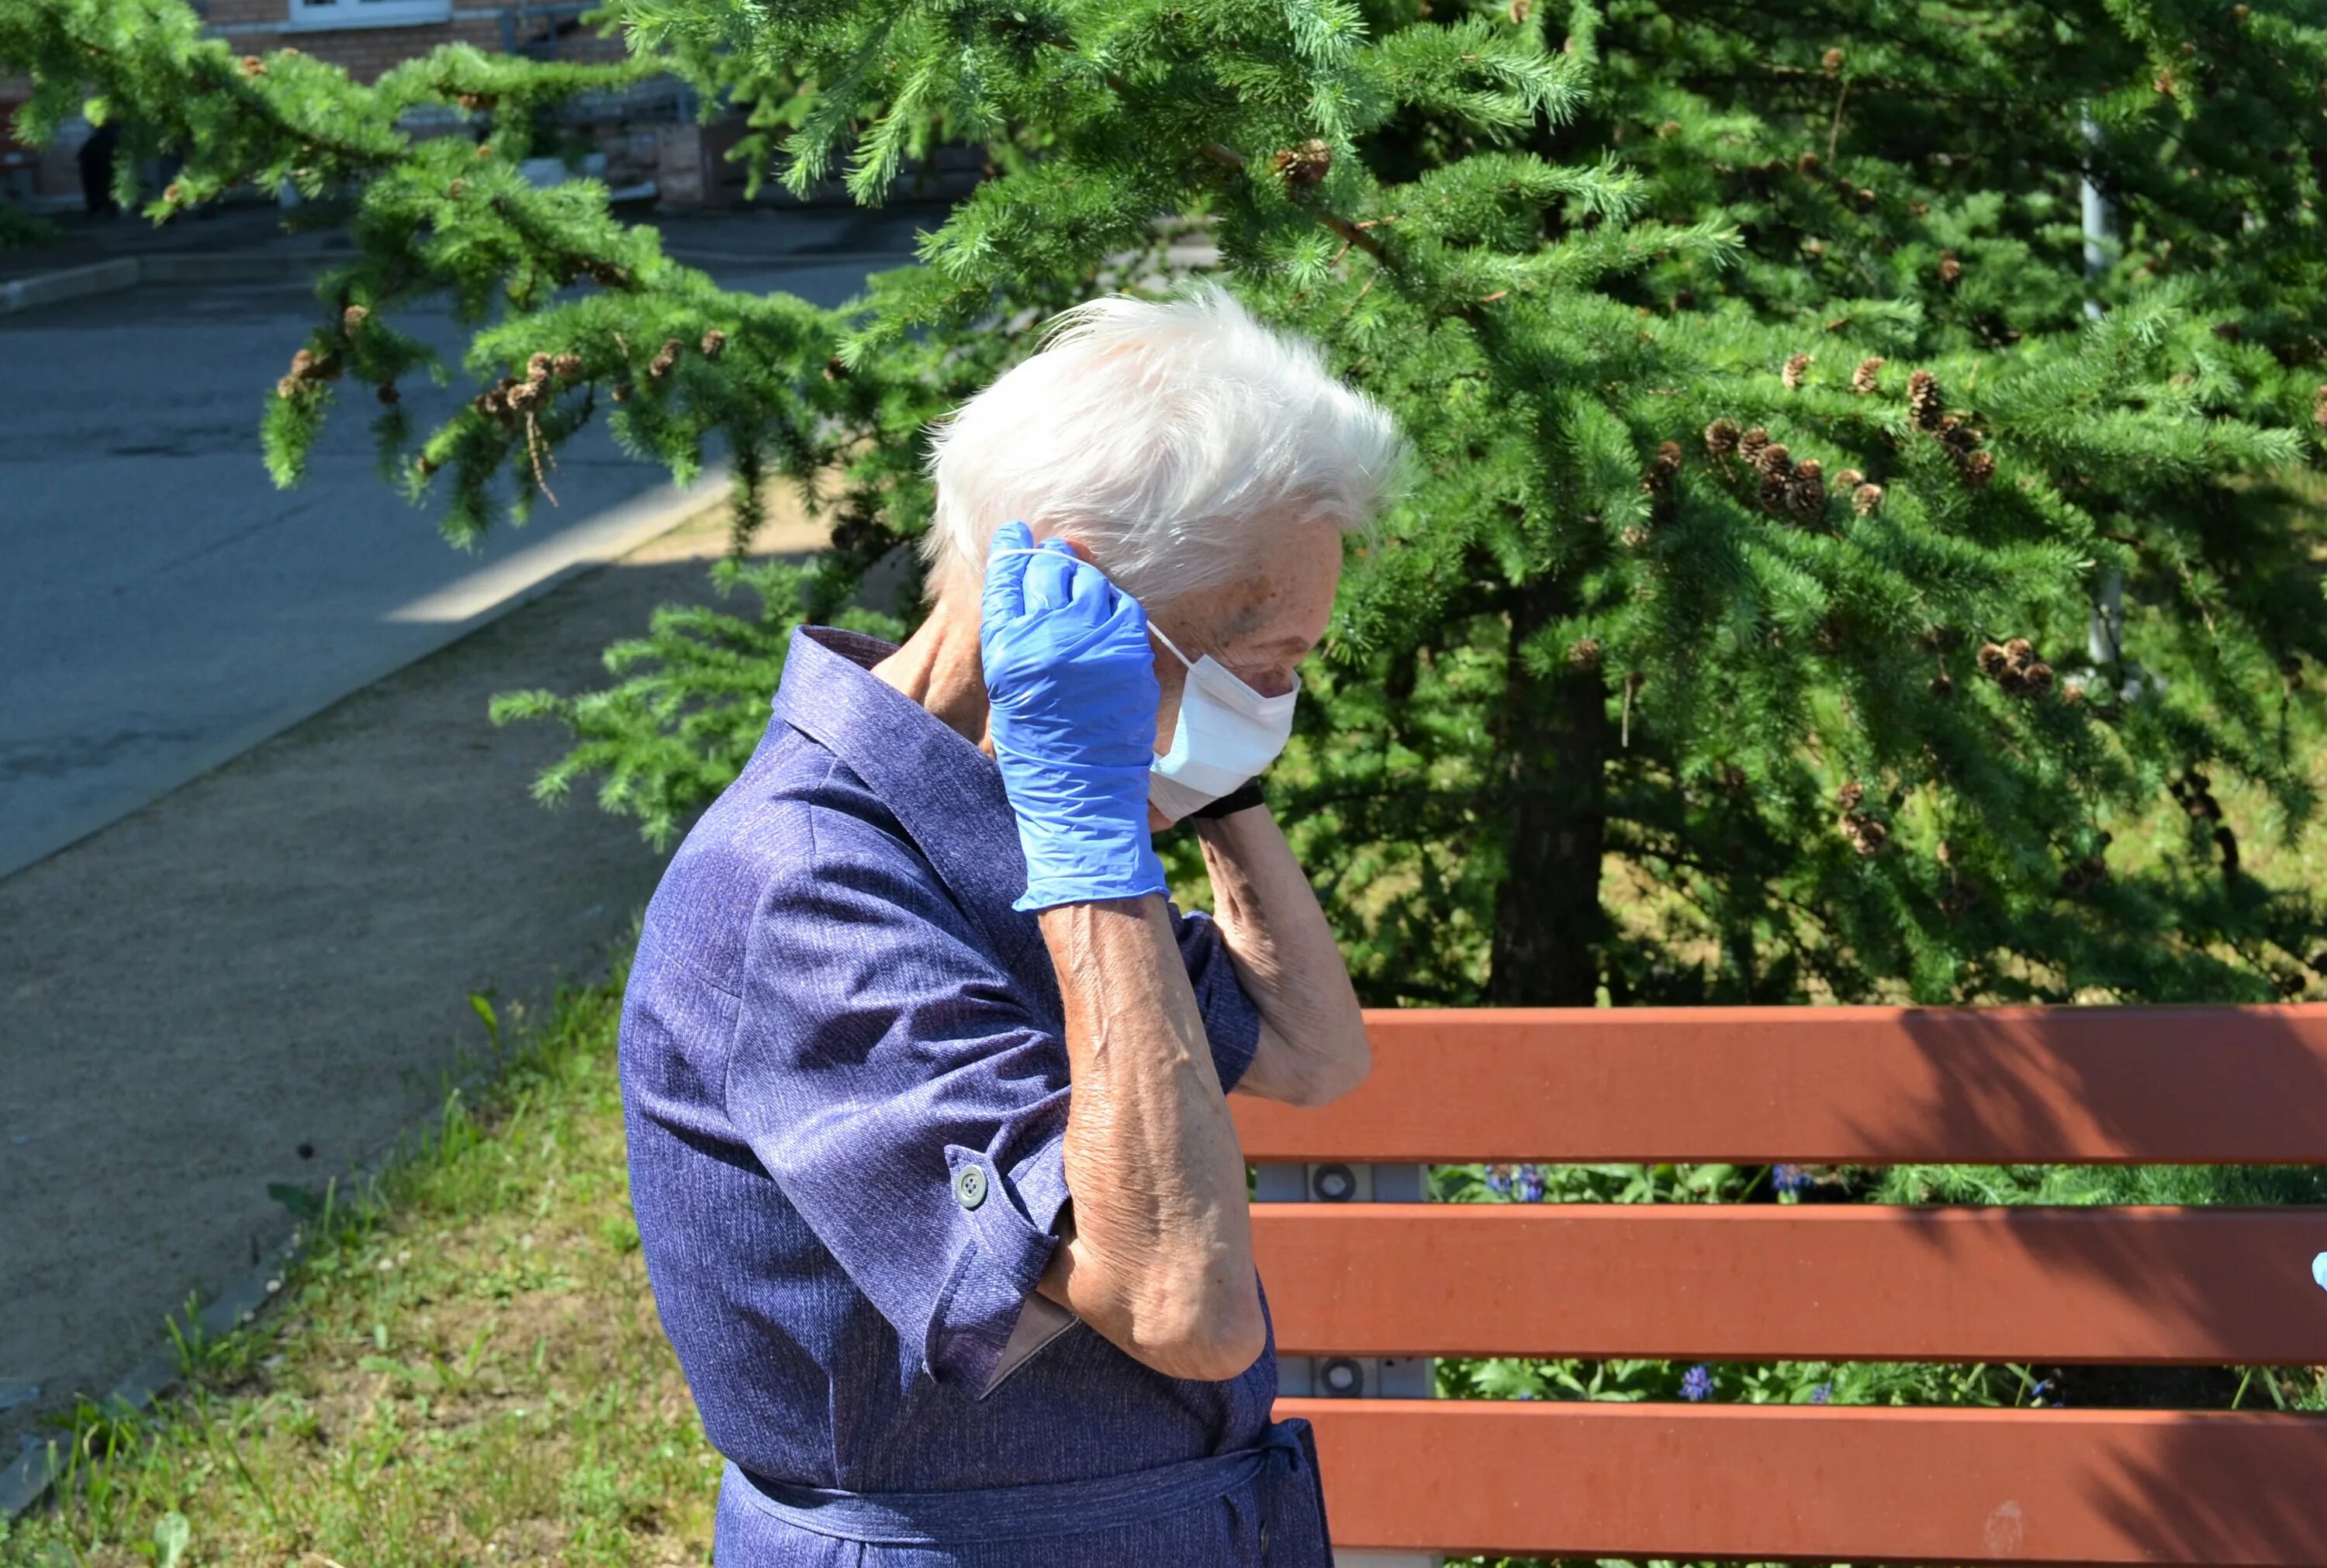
(965, 1518)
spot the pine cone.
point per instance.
(1306, 166)
(456, 188)
(714, 343)
(665, 360)
(287, 388)
(1926, 404)
(1806, 491)
(1866, 835)
(1772, 457)
(485, 151)
(423, 465)
(1866, 499)
(566, 367)
(1864, 199)
(2019, 653)
(2035, 681)
(1847, 799)
(1869, 373)
(388, 395)
(1634, 537)
(1991, 659)
(304, 365)
(1806, 163)
(1796, 367)
(1957, 437)
(1941, 685)
(836, 369)
(527, 395)
(1978, 467)
(352, 317)
(252, 66)
(1950, 269)
(173, 192)
(1721, 436)
(619, 392)
(1831, 61)
(1668, 130)
(1848, 479)
(1584, 654)
(537, 369)
(1750, 444)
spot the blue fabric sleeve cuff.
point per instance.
(1009, 1243)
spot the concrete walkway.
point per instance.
(262, 976)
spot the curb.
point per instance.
(451, 612)
(28, 1480)
(49, 288)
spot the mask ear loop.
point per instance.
(1158, 632)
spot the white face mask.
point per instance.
(1228, 732)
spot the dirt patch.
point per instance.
(262, 976)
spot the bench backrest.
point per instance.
(1364, 1292)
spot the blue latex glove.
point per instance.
(1071, 679)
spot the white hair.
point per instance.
(1164, 436)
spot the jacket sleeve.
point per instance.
(897, 1090)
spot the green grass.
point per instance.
(465, 1369)
(21, 230)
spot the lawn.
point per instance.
(465, 1369)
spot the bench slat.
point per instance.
(1844, 1282)
(1863, 1485)
(1824, 1084)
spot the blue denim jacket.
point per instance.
(845, 1086)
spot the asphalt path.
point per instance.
(164, 607)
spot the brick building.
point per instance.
(369, 36)
(644, 134)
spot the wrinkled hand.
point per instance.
(1071, 679)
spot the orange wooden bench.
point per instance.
(1367, 1284)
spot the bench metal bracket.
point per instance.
(1353, 1377)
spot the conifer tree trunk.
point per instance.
(1555, 741)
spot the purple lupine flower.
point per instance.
(1791, 1179)
(1498, 1181)
(1696, 1383)
(1822, 1395)
(1531, 1185)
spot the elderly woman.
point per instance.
(939, 1191)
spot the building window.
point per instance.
(319, 13)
